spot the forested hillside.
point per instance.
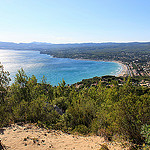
(112, 110)
(100, 51)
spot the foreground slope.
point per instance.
(31, 137)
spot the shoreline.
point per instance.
(122, 72)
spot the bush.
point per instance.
(146, 133)
(81, 129)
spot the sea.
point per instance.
(54, 69)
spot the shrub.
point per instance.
(81, 129)
(145, 131)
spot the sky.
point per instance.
(74, 21)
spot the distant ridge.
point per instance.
(44, 45)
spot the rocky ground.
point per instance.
(31, 137)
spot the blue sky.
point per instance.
(74, 21)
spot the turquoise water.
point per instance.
(55, 69)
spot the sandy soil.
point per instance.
(31, 137)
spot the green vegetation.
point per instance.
(125, 52)
(106, 108)
(146, 134)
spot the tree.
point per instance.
(21, 78)
(4, 82)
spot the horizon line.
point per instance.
(78, 42)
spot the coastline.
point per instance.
(122, 72)
(116, 70)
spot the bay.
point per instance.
(55, 69)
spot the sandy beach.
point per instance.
(31, 137)
(124, 70)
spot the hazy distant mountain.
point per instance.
(28, 46)
(45, 46)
